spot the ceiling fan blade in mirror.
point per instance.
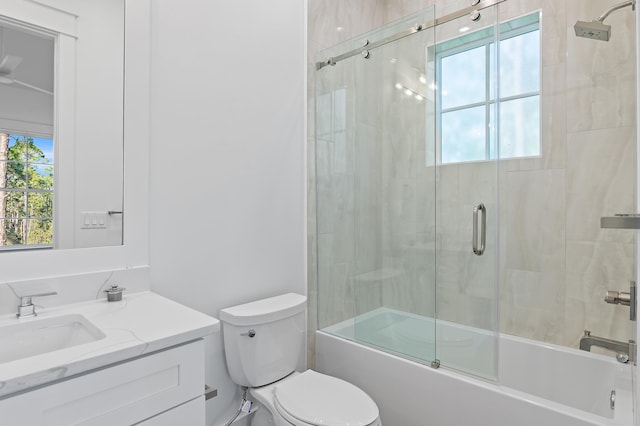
(9, 63)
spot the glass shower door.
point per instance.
(406, 175)
(375, 192)
(466, 167)
(394, 274)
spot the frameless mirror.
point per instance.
(61, 123)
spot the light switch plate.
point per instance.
(94, 220)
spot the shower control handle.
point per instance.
(479, 246)
(623, 298)
(617, 298)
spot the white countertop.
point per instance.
(139, 324)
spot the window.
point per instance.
(467, 96)
(26, 191)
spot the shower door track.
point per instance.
(402, 34)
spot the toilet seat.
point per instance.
(315, 399)
(290, 420)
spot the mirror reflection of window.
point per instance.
(26, 191)
(26, 144)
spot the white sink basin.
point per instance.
(30, 337)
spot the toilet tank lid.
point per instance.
(265, 310)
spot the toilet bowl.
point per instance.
(264, 341)
(311, 398)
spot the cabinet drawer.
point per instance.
(123, 394)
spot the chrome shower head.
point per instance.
(595, 30)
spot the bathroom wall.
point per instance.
(227, 160)
(554, 261)
(557, 263)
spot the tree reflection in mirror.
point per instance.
(26, 191)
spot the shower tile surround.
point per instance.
(554, 260)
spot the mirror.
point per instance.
(61, 123)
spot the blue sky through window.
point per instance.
(467, 98)
(46, 146)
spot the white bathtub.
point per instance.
(539, 384)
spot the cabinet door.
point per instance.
(121, 395)
(191, 413)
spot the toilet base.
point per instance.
(263, 418)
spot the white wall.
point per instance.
(227, 158)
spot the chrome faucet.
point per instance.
(629, 349)
(26, 309)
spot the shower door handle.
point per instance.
(478, 247)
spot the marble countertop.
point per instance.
(139, 324)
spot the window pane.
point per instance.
(4, 141)
(463, 78)
(40, 205)
(18, 148)
(520, 64)
(41, 176)
(41, 151)
(40, 232)
(25, 216)
(15, 176)
(493, 137)
(520, 127)
(12, 204)
(13, 140)
(493, 76)
(11, 232)
(463, 135)
(4, 169)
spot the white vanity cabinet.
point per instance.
(164, 388)
(191, 413)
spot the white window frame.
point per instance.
(490, 98)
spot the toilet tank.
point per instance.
(277, 325)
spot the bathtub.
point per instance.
(539, 383)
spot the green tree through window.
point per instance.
(26, 191)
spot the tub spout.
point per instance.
(588, 341)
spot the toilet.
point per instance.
(263, 342)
